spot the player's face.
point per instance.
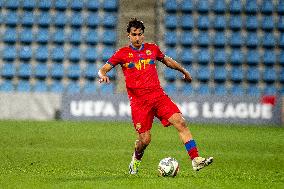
(136, 37)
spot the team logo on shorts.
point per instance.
(148, 52)
(138, 126)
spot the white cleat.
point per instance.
(200, 162)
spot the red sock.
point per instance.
(191, 149)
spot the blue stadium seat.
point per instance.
(28, 19)
(187, 56)
(253, 57)
(253, 74)
(93, 20)
(11, 18)
(109, 37)
(57, 71)
(236, 39)
(41, 71)
(26, 36)
(93, 5)
(281, 58)
(43, 19)
(203, 6)
(110, 20)
(73, 71)
(186, 38)
(203, 22)
(281, 76)
(269, 58)
(24, 86)
(253, 90)
(203, 73)
(186, 6)
(25, 70)
(171, 5)
(25, 53)
(280, 7)
(252, 40)
(268, 40)
(170, 88)
(58, 36)
(203, 89)
(203, 39)
(40, 86)
(280, 24)
(58, 54)
(76, 20)
(267, 23)
(9, 53)
(57, 86)
(191, 70)
(107, 88)
(171, 21)
(61, 4)
(60, 19)
(107, 52)
(187, 89)
(237, 74)
(267, 7)
(220, 89)
(219, 22)
(41, 54)
(235, 22)
(12, 4)
(28, 4)
(92, 37)
(251, 22)
(170, 74)
(270, 89)
(281, 40)
(75, 37)
(219, 39)
(237, 90)
(112, 74)
(219, 6)
(10, 35)
(7, 86)
(220, 56)
(8, 70)
(172, 52)
(251, 7)
(44, 4)
(90, 87)
(220, 74)
(76, 5)
(74, 54)
(203, 56)
(110, 5)
(91, 71)
(42, 36)
(269, 75)
(171, 38)
(235, 6)
(90, 55)
(187, 21)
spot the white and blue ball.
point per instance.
(168, 167)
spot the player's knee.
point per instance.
(180, 124)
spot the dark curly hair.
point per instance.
(135, 24)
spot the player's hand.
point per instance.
(187, 77)
(104, 79)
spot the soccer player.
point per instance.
(147, 98)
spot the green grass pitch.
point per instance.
(96, 155)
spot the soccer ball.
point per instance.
(168, 167)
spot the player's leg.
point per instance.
(185, 135)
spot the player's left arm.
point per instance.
(171, 63)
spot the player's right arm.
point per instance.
(102, 73)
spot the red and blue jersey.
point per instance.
(139, 69)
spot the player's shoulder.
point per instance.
(151, 45)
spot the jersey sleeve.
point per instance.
(115, 59)
(160, 55)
